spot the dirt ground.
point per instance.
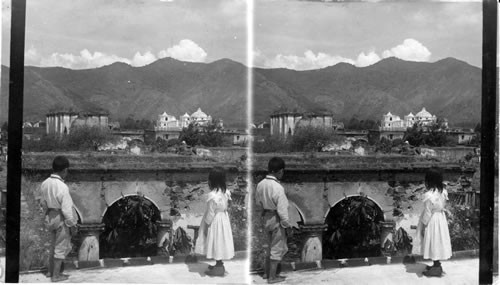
(457, 272)
(176, 273)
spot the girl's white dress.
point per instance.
(215, 238)
(435, 242)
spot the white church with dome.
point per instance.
(168, 122)
(392, 122)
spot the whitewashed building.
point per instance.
(285, 123)
(392, 122)
(60, 123)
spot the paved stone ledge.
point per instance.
(356, 262)
(133, 261)
(108, 161)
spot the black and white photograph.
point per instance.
(249, 142)
(366, 152)
(134, 142)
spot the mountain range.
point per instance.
(448, 88)
(166, 85)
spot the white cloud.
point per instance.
(367, 59)
(410, 49)
(85, 59)
(186, 50)
(310, 60)
(143, 59)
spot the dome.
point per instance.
(411, 115)
(389, 114)
(199, 114)
(424, 114)
(185, 115)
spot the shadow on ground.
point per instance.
(417, 268)
(200, 268)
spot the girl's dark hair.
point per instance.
(60, 163)
(434, 179)
(217, 179)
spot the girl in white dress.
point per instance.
(216, 238)
(433, 227)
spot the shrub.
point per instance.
(239, 221)
(313, 138)
(353, 229)
(384, 146)
(161, 145)
(80, 138)
(46, 143)
(211, 135)
(271, 143)
(130, 228)
(34, 238)
(397, 142)
(463, 223)
(88, 138)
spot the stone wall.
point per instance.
(176, 185)
(314, 183)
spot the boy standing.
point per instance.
(270, 195)
(58, 206)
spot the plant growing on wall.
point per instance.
(130, 228)
(353, 229)
(463, 223)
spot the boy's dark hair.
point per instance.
(217, 179)
(434, 179)
(275, 164)
(60, 163)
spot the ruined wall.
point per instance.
(176, 185)
(314, 183)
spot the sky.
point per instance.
(91, 33)
(287, 33)
(309, 35)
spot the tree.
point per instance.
(436, 136)
(368, 124)
(88, 138)
(353, 124)
(415, 135)
(313, 138)
(129, 123)
(190, 135)
(212, 135)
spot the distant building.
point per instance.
(285, 123)
(62, 122)
(166, 122)
(392, 122)
(393, 127)
(169, 127)
(461, 136)
(239, 137)
(200, 118)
